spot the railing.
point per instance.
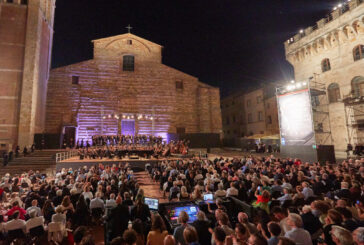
(65, 155)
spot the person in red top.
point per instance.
(16, 207)
(297, 162)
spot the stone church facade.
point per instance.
(26, 33)
(126, 84)
(331, 54)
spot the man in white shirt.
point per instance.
(111, 203)
(97, 202)
(34, 207)
(34, 221)
(15, 223)
(297, 233)
(232, 191)
(285, 197)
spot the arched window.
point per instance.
(325, 65)
(128, 63)
(357, 86)
(358, 52)
(334, 92)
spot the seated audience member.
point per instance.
(358, 236)
(220, 191)
(286, 196)
(257, 239)
(311, 223)
(34, 221)
(78, 234)
(274, 230)
(333, 218)
(130, 237)
(190, 236)
(110, 203)
(341, 236)
(232, 191)
(97, 202)
(127, 199)
(169, 240)
(307, 191)
(285, 241)
(219, 236)
(348, 221)
(34, 207)
(158, 231)
(15, 224)
(244, 220)
(297, 233)
(59, 216)
(241, 234)
(178, 231)
(15, 208)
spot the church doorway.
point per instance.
(128, 127)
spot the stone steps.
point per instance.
(44, 161)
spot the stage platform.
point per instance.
(136, 164)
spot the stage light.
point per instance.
(304, 83)
(109, 116)
(335, 8)
(151, 118)
(123, 116)
(128, 117)
(292, 81)
(301, 31)
(132, 117)
(103, 117)
(298, 85)
(340, 5)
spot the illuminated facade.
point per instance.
(26, 33)
(125, 89)
(331, 54)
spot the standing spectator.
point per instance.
(190, 236)
(202, 225)
(158, 231)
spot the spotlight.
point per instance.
(151, 118)
(109, 116)
(301, 31)
(340, 5)
(132, 117)
(335, 8)
(298, 85)
(123, 116)
(292, 81)
(128, 117)
(103, 117)
(304, 83)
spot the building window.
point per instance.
(259, 99)
(130, 42)
(358, 52)
(269, 119)
(227, 120)
(250, 118)
(179, 85)
(75, 79)
(181, 130)
(334, 92)
(248, 103)
(260, 115)
(360, 125)
(128, 63)
(357, 86)
(325, 65)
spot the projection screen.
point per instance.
(295, 118)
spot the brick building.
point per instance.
(331, 53)
(249, 114)
(127, 89)
(26, 32)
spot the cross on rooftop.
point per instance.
(129, 28)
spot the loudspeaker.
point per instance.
(326, 153)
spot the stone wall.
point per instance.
(13, 19)
(104, 88)
(25, 44)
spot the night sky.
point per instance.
(231, 44)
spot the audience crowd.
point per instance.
(293, 203)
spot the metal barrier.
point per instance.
(66, 155)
